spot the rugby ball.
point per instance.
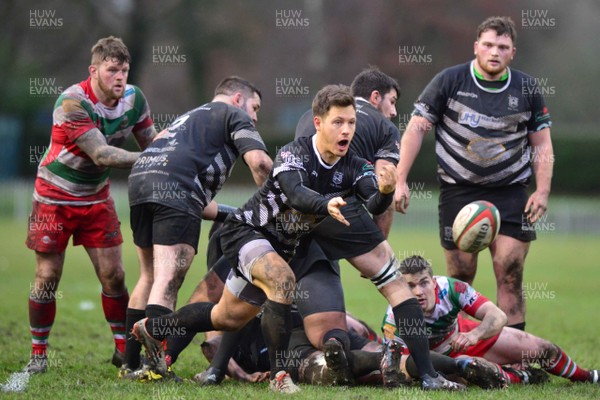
(476, 226)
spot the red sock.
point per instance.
(115, 310)
(41, 318)
(511, 377)
(563, 366)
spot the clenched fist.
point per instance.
(387, 179)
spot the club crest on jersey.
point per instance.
(124, 122)
(513, 102)
(337, 177)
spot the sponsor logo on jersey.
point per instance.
(368, 166)
(442, 293)
(467, 94)
(474, 119)
(542, 115)
(291, 159)
(460, 287)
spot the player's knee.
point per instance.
(112, 279)
(512, 275)
(224, 321)
(284, 286)
(47, 278)
(465, 276)
(545, 353)
(461, 266)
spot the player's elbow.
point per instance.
(100, 157)
(261, 168)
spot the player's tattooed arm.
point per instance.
(93, 143)
(144, 137)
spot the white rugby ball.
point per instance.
(476, 226)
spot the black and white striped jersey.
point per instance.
(375, 138)
(482, 132)
(294, 198)
(186, 166)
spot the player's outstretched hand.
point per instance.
(333, 208)
(387, 179)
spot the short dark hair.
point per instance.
(108, 48)
(502, 26)
(233, 84)
(415, 265)
(371, 79)
(332, 96)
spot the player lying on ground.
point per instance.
(249, 360)
(442, 298)
(371, 363)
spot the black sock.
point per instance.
(441, 363)
(227, 347)
(157, 330)
(357, 341)
(364, 362)
(520, 326)
(176, 344)
(156, 310)
(132, 346)
(192, 318)
(341, 336)
(276, 325)
(412, 329)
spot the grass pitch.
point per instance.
(561, 283)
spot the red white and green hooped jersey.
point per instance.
(452, 296)
(67, 175)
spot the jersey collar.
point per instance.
(507, 84)
(323, 163)
(87, 88)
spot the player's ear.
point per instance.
(92, 69)
(375, 97)
(237, 99)
(317, 121)
(475, 47)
